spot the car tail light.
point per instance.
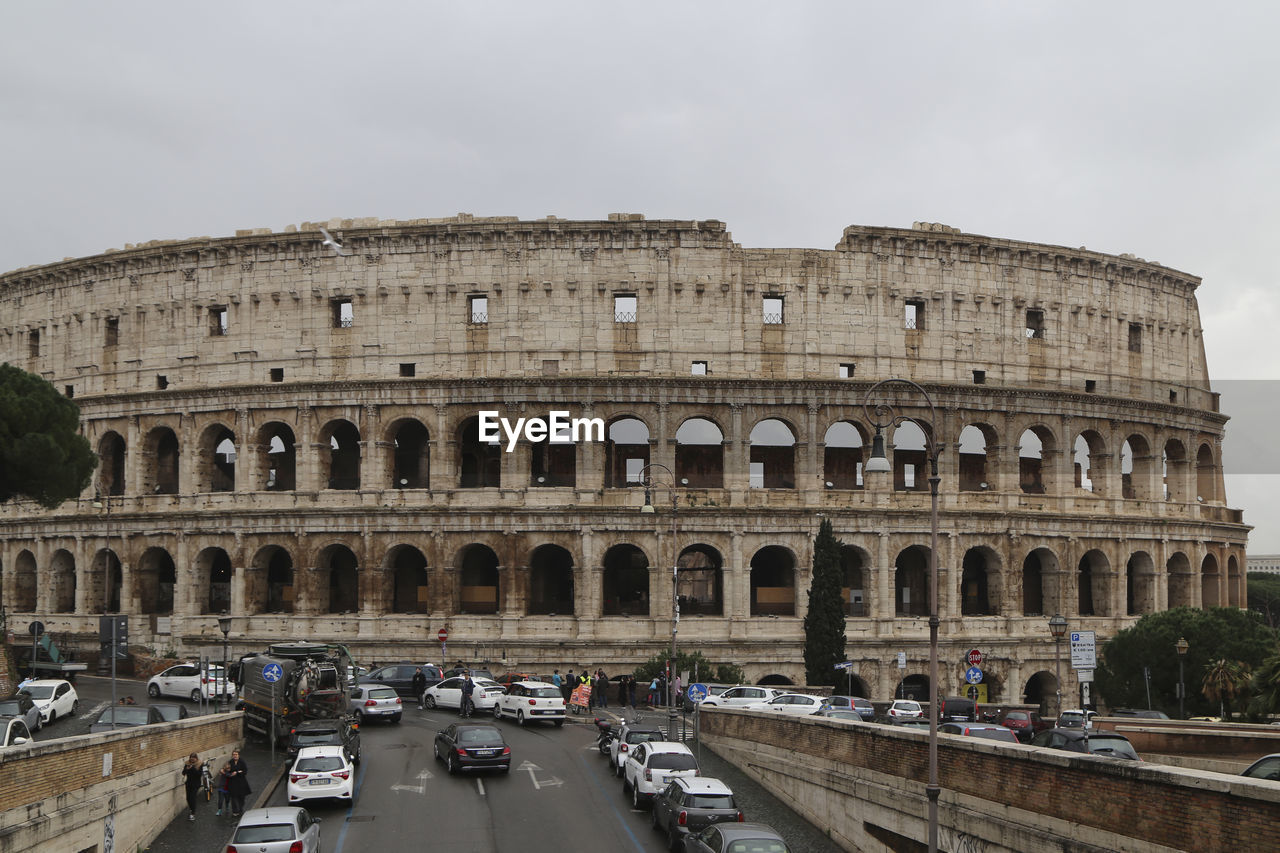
(231, 848)
(296, 847)
(741, 817)
(341, 774)
(533, 702)
(295, 778)
(622, 747)
(462, 751)
(648, 775)
(397, 700)
(683, 820)
(506, 750)
(369, 703)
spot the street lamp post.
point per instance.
(885, 417)
(224, 625)
(1182, 646)
(646, 477)
(1058, 627)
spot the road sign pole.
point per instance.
(114, 625)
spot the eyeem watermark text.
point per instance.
(558, 428)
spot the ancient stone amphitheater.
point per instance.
(289, 432)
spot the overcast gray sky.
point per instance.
(1149, 128)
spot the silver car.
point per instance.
(276, 830)
(369, 701)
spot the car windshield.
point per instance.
(40, 691)
(263, 833)
(672, 761)
(643, 737)
(994, 734)
(125, 716)
(10, 708)
(315, 738)
(710, 801)
(1265, 768)
(907, 706)
(758, 845)
(1112, 746)
(169, 713)
(319, 764)
(844, 715)
(545, 693)
(382, 693)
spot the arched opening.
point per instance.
(773, 582)
(1040, 583)
(344, 579)
(1042, 691)
(1033, 446)
(163, 460)
(271, 589)
(479, 462)
(1093, 589)
(25, 584)
(410, 457)
(1090, 464)
(217, 464)
(479, 577)
(111, 454)
(773, 456)
(842, 456)
(63, 568)
(550, 581)
(156, 579)
(625, 582)
(911, 581)
(408, 580)
(914, 686)
(626, 452)
(1206, 475)
(854, 685)
(910, 461)
(340, 465)
(775, 679)
(1136, 468)
(979, 582)
(279, 462)
(1180, 580)
(1175, 471)
(552, 465)
(853, 563)
(1233, 581)
(974, 441)
(700, 585)
(1210, 583)
(700, 454)
(213, 567)
(105, 582)
(1140, 584)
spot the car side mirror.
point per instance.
(19, 741)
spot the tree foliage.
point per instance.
(43, 457)
(824, 638)
(1264, 596)
(1218, 633)
(1224, 680)
(718, 673)
(1265, 699)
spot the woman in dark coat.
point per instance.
(191, 781)
(238, 783)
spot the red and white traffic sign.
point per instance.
(443, 635)
(974, 657)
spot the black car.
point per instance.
(125, 716)
(475, 673)
(689, 804)
(719, 837)
(467, 746)
(956, 708)
(170, 712)
(1109, 744)
(1139, 712)
(21, 705)
(338, 731)
(400, 676)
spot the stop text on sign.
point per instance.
(557, 428)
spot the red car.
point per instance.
(1025, 724)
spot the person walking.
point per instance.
(557, 680)
(569, 683)
(602, 688)
(419, 685)
(221, 785)
(238, 783)
(653, 692)
(191, 772)
(631, 691)
(468, 687)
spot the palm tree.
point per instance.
(1223, 681)
(1266, 688)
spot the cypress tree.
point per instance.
(824, 623)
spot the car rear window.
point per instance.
(758, 845)
(710, 801)
(672, 761)
(545, 693)
(169, 713)
(316, 738)
(126, 716)
(994, 734)
(382, 693)
(1113, 746)
(642, 736)
(319, 764)
(10, 709)
(480, 736)
(263, 833)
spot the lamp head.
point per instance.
(648, 501)
(878, 463)
(1058, 625)
(224, 624)
(1182, 646)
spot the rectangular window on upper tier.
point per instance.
(773, 315)
(477, 310)
(624, 308)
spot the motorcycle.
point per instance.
(606, 736)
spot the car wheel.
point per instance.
(520, 717)
(617, 769)
(195, 695)
(396, 718)
(673, 839)
(359, 715)
(75, 707)
(429, 701)
(53, 715)
(436, 753)
(497, 712)
(653, 820)
(626, 785)
(636, 802)
(153, 690)
(452, 764)
(559, 723)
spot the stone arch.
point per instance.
(700, 454)
(111, 464)
(914, 686)
(1137, 471)
(700, 588)
(773, 455)
(278, 464)
(980, 591)
(550, 582)
(213, 580)
(155, 580)
(626, 450)
(62, 569)
(856, 580)
(1206, 474)
(625, 581)
(409, 580)
(479, 462)
(1090, 461)
(911, 581)
(1233, 581)
(478, 579)
(1040, 583)
(1210, 582)
(1093, 586)
(1175, 471)
(340, 590)
(842, 455)
(340, 455)
(216, 464)
(271, 588)
(775, 679)
(910, 458)
(162, 460)
(25, 582)
(773, 582)
(1034, 445)
(105, 581)
(973, 450)
(1041, 690)
(1140, 584)
(855, 684)
(409, 443)
(553, 464)
(1180, 580)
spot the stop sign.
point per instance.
(974, 657)
(443, 635)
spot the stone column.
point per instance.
(186, 593)
(244, 579)
(306, 452)
(662, 444)
(737, 580)
(44, 576)
(128, 583)
(808, 459)
(883, 606)
(133, 459)
(246, 464)
(737, 452)
(84, 572)
(190, 458)
(948, 579)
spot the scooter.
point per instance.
(607, 735)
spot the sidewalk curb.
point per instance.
(269, 790)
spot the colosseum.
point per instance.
(290, 431)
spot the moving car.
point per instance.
(800, 704)
(689, 804)
(1266, 767)
(1108, 744)
(448, 694)
(631, 734)
(321, 772)
(13, 732)
(21, 705)
(733, 837)
(54, 697)
(278, 829)
(650, 767)
(737, 697)
(472, 746)
(987, 731)
(332, 732)
(905, 709)
(853, 703)
(530, 701)
(186, 680)
(125, 716)
(400, 677)
(375, 702)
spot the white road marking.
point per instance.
(417, 789)
(480, 785)
(539, 784)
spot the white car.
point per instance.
(186, 680)
(631, 734)
(321, 772)
(741, 696)
(791, 703)
(54, 697)
(650, 767)
(13, 732)
(277, 830)
(375, 703)
(905, 709)
(448, 694)
(530, 701)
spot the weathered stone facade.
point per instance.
(290, 434)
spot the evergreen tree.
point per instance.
(43, 456)
(824, 637)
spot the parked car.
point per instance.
(54, 697)
(630, 735)
(688, 804)
(400, 677)
(737, 697)
(21, 705)
(472, 746)
(840, 714)
(375, 702)
(170, 712)
(1140, 712)
(14, 732)
(1108, 744)
(652, 766)
(186, 680)
(448, 694)
(853, 703)
(321, 772)
(920, 724)
(332, 732)
(1266, 767)
(125, 716)
(531, 701)
(756, 837)
(475, 673)
(957, 708)
(1025, 724)
(799, 704)
(509, 678)
(1075, 719)
(987, 731)
(278, 829)
(905, 709)
(712, 690)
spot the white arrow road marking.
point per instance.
(417, 789)
(539, 784)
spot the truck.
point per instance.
(292, 682)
